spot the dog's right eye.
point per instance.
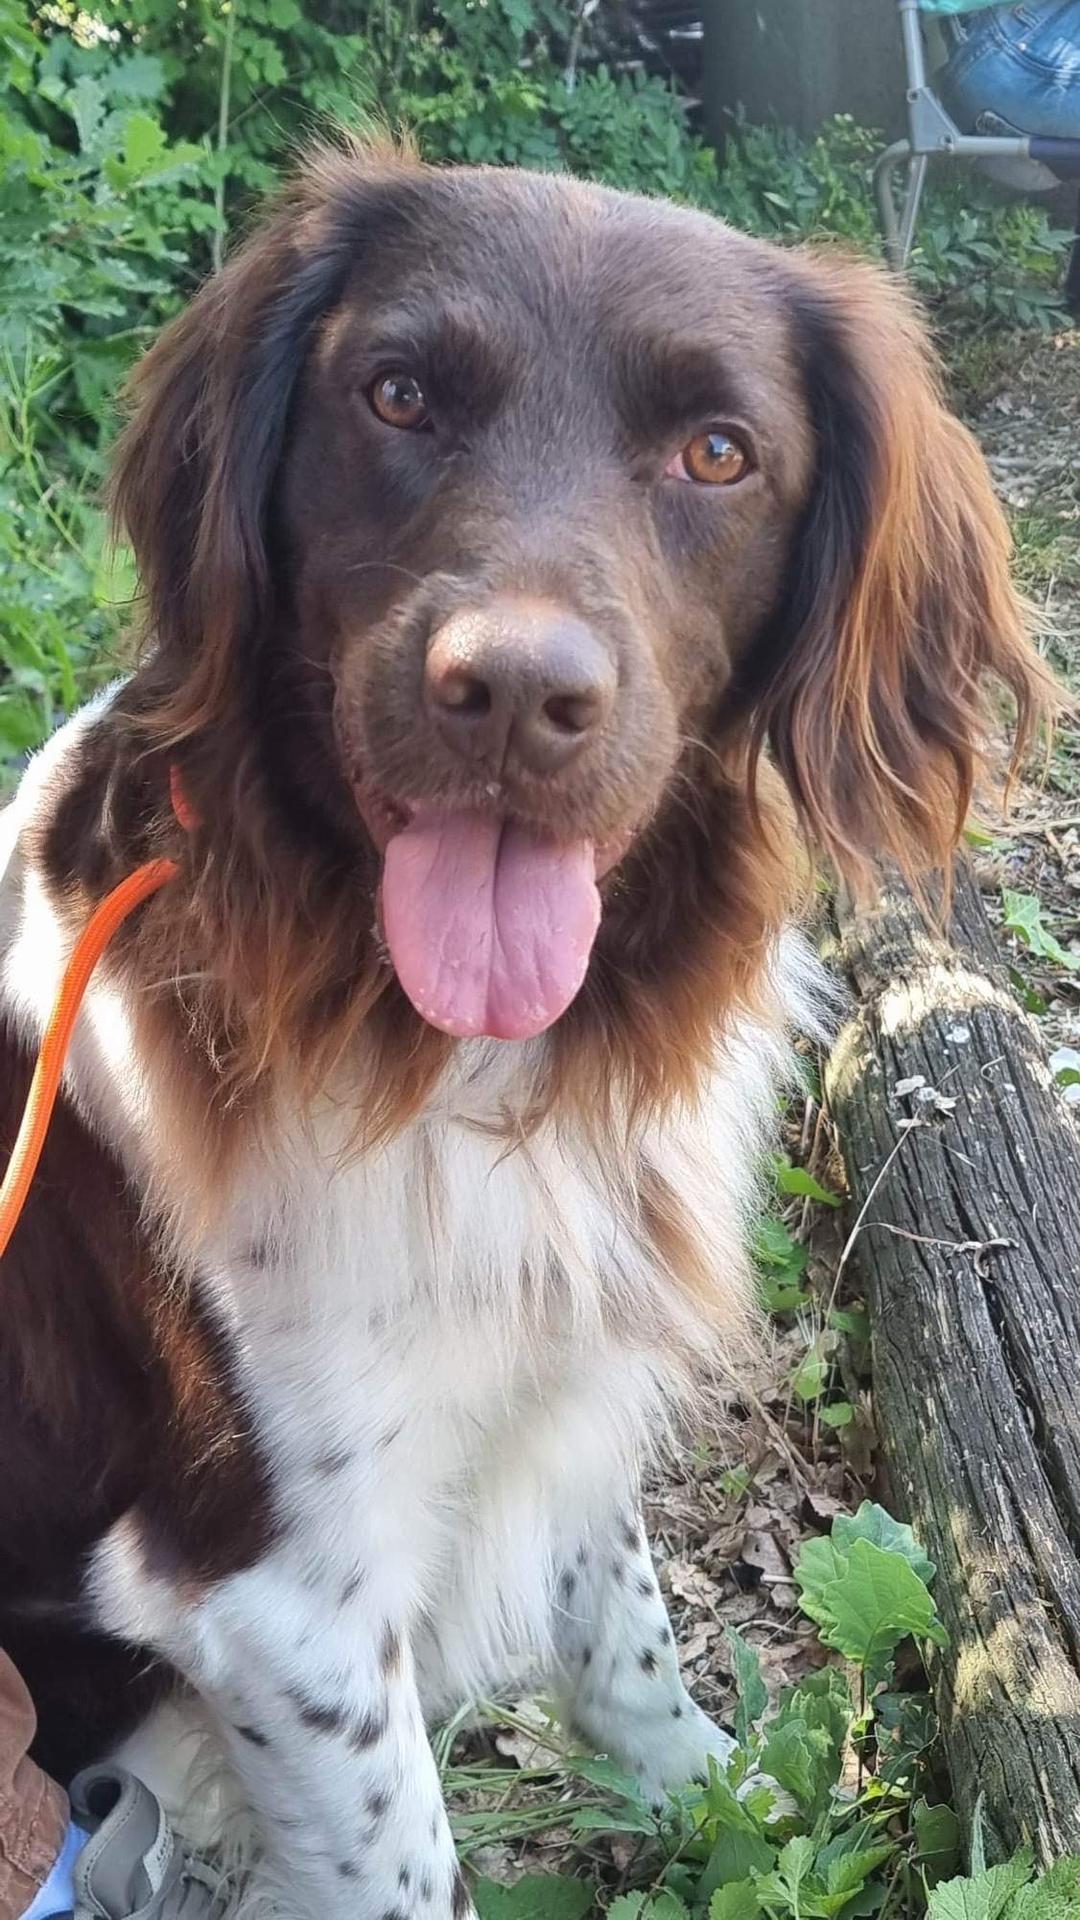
(398, 400)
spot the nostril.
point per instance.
(461, 692)
(572, 713)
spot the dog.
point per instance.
(532, 574)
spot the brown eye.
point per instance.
(398, 399)
(713, 459)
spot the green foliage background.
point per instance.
(135, 138)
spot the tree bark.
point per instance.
(969, 1257)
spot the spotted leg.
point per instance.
(319, 1712)
(618, 1683)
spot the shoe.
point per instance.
(133, 1867)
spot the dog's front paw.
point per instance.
(682, 1758)
(678, 1754)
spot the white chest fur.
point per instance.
(457, 1353)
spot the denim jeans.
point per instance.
(1020, 64)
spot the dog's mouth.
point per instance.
(489, 923)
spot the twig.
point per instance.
(1037, 829)
(980, 1248)
(912, 1127)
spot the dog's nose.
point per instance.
(518, 682)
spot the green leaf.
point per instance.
(798, 1758)
(819, 1566)
(539, 1896)
(607, 1820)
(144, 143)
(1023, 917)
(851, 1871)
(796, 1180)
(86, 104)
(738, 1901)
(734, 1857)
(780, 1295)
(906, 1726)
(784, 1884)
(983, 1896)
(937, 1840)
(774, 1246)
(1030, 999)
(810, 1378)
(871, 1522)
(749, 1685)
(875, 1604)
(854, 1321)
(643, 1906)
(1055, 1897)
(840, 1413)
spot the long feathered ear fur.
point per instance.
(209, 406)
(871, 686)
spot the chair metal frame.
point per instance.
(932, 134)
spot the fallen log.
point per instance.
(966, 1189)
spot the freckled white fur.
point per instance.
(458, 1356)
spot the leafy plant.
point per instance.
(1008, 1892)
(1023, 917)
(818, 1814)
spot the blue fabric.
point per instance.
(58, 1894)
(955, 6)
(1020, 63)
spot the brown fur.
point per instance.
(839, 608)
(846, 620)
(852, 640)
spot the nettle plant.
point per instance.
(823, 1811)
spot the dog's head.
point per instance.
(513, 518)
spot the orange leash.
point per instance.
(88, 949)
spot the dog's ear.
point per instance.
(870, 685)
(209, 404)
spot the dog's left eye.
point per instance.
(712, 459)
(398, 399)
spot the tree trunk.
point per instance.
(969, 1256)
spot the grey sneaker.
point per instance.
(133, 1867)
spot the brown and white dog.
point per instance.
(491, 527)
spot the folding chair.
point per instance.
(932, 134)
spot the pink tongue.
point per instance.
(489, 928)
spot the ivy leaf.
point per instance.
(841, 1413)
(871, 1522)
(539, 1896)
(810, 1377)
(1023, 917)
(1030, 998)
(796, 1180)
(749, 1685)
(937, 1840)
